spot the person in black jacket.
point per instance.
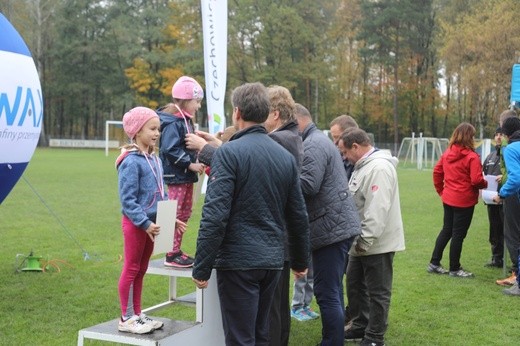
(491, 166)
(253, 198)
(283, 128)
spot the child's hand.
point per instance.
(197, 167)
(180, 227)
(153, 230)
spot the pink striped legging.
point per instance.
(138, 248)
(183, 193)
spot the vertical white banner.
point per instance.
(214, 26)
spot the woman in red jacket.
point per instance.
(457, 177)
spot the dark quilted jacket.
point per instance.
(253, 194)
(174, 155)
(332, 213)
(289, 138)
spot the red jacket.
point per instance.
(457, 177)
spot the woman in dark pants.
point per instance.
(457, 178)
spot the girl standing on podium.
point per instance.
(140, 177)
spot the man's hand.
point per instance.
(210, 139)
(299, 274)
(200, 283)
(359, 249)
(194, 142)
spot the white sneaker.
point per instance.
(134, 325)
(156, 324)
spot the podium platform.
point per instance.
(157, 267)
(205, 330)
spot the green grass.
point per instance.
(80, 187)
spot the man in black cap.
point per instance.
(511, 189)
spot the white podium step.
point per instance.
(107, 331)
(205, 330)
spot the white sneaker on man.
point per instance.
(134, 325)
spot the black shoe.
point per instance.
(178, 260)
(347, 315)
(354, 335)
(368, 342)
(494, 264)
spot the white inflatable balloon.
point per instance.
(21, 106)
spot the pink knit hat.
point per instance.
(134, 120)
(187, 88)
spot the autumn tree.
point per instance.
(479, 51)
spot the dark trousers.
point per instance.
(329, 268)
(511, 207)
(348, 316)
(245, 299)
(280, 313)
(455, 227)
(369, 290)
(496, 232)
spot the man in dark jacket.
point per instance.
(253, 196)
(491, 166)
(283, 128)
(337, 126)
(333, 219)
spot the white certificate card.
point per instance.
(166, 216)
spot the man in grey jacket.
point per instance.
(333, 219)
(370, 267)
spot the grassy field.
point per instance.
(66, 210)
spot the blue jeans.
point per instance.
(245, 300)
(329, 267)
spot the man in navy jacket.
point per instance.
(253, 195)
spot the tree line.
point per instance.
(396, 66)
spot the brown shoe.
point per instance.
(507, 281)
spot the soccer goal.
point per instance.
(114, 135)
(424, 151)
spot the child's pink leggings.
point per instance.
(138, 248)
(183, 193)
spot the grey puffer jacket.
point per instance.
(332, 213)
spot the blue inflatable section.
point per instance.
(9, 174)
(515, 84)
(10, 39)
